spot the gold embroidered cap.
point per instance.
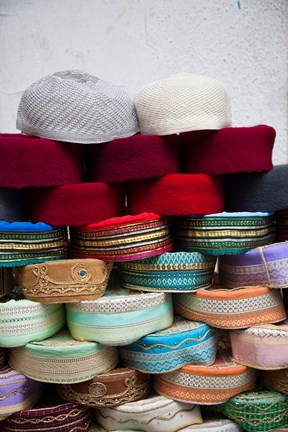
(116, 387)
(65, 281)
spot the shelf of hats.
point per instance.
(143, 262)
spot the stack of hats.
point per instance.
(114, 216)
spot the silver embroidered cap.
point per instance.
(76, 107)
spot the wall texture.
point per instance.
(243, 44)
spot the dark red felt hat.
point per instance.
(134, 158)
(228, 150)
(28, 161)
(77, 204)
(177, 195)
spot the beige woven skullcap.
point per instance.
(182, 103)
(76, 107)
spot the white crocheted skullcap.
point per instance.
(182, 103)
(76, 107)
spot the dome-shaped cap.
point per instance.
(182, 103)
(76, 107)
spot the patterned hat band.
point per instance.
(169, 272)
(62, 360)
(224, 233)
(256, 411)
(24, 243)
(184, 342)
(65, 280)
(24, 321)
(263, 346)
(17, 392)
(265, 265)
(123, 239)
(232, 308)
(109, 389)
(63, 417)
(206, 385)
(155, 413)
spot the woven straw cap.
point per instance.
(182, 103)
(76, 107)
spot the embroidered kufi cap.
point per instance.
(264, 265)
(123, 238)
(23, 243)
(232, 308)
(184, 342)
(206, 384)
(181, 103)
(53, 416)
(62, 360)
(64, 281)
(262, 346)
(113, 388)
(17, 392)
(73, 106)
(275, 380)
(258, 411)
(169, 272)
(23, 321)
(153, 414)
(119, 317)
(224, 233)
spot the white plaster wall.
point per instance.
(243, 44)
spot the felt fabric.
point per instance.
(257, 191)
(125, 159)
(228, 150)
(281, 220)
(6, 282)
(29, 161)
(13, 204)
(177, 195)
(77, 204)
